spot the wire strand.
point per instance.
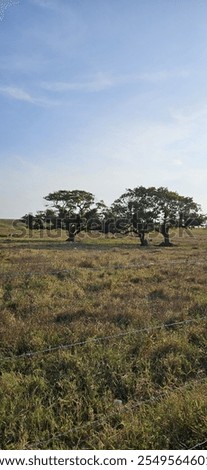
(198, 445)
(125, 409)
(101, 338)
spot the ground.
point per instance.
(103, 343)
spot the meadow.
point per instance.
(103, 344)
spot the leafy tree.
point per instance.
(71, 202)
(175, 210)
(41, 220)
(137, 209)
(28, 220)
(144, 209)
(77, 209)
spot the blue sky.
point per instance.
(101, 95)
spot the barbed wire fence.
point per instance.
(118, 407)
(110, 338)
(90, 340)
(199, 444)
(128, 408)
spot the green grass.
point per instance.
(115, 387)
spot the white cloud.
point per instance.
(177, 162)
(22, 95)
(162, 75)
(17, 94)
(112, 154)
(101, 81)
(52, 4)
(4, 4)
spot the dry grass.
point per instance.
(54, 293)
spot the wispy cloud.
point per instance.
(100, 81)
(21, 95)
(56, 6)
(52, 4)
(111, 155)
(163, 75)
(177, 162)
(4, 4)
(17, 94)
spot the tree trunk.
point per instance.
(164, 230)
(142, 239)
(71, 237)
(71, 232)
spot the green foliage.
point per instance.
(146, 208)
(140, 211)
(68, 203)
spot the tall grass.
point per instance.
(138, 380)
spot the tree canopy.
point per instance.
(140, 210)
(145, 209)
(75, 209)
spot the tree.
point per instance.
(144, 209)
(41, 220)
(137, 209)
(28, 220)
(77, 209)
(176, 211)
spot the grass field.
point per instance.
(103, 344)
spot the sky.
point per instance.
(101, 95)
